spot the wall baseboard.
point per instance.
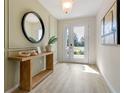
(108, 83)
(12, 89)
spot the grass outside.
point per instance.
(78, 50)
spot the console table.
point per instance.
(27, 82)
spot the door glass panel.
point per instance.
(79, 41)
(67, 43)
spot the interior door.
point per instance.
(75, 47)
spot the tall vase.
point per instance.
(48, 48)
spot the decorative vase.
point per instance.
(48, 48)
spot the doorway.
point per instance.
(75, 46)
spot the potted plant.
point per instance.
(51, 41)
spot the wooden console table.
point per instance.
(27, 82)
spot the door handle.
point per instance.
(70, 46)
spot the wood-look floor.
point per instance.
(72, 78)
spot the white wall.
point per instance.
(53, 32)
(91, 23)
(15, 39)
(108, 57)
(16, 11)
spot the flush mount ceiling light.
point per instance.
(67, 6)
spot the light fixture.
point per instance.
(67, 6)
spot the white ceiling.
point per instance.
(81, 8)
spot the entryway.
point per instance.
(75, 43)
(72, 78)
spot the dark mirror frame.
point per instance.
(23, 26)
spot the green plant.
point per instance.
(52, 40)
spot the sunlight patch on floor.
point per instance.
(85, 68)
(88, 69)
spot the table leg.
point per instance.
(26, 75)
(49, 62)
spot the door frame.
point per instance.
(86, 59)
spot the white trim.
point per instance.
(12, 89)
(108, 84)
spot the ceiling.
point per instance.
(81, 8)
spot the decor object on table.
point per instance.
(24, 53)
(33, 53)
(38, 50)
(51, 41)
(110, 32)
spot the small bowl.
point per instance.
(24, 54)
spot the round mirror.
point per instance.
(33, 27)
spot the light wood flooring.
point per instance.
(72, 78)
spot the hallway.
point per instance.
(61, 46)
(72, 78)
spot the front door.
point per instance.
(75, 47)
